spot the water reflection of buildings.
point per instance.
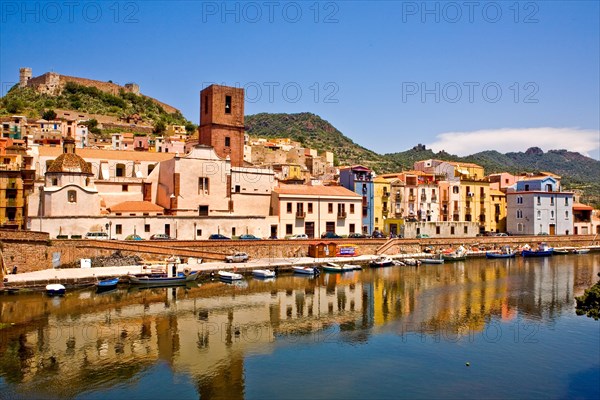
(84, 341)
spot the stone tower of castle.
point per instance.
(24, 76)
(222, 122)
(132, 88)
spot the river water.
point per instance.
(474, 329)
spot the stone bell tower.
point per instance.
(222, 121)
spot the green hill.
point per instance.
(29, 102)
(578, 171)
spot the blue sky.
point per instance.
(462, 76)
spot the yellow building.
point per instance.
(16, 181)
(475, 202)
(498, 207)
(381, 201)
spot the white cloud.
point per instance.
(584, 141)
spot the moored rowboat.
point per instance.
(55, 289)
(263, 273)
(162, 281)
(229, 276)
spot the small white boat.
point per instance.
(432, 260)
(581, 251)
(263, 273)
(333, 267)
(412, 262)
(55, 289)
(381, 261)
(399, 263)
(306, 270)
(229, 276)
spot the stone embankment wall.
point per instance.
(33, 251)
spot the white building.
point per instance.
(314, 210)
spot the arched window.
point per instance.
(72, 196)
(539, 214)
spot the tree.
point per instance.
(589, 303)
(191, 128)
(159, 127)
(49, 115)
(13, 106)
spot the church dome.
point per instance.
(70, 162)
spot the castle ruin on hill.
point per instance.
(52, 83)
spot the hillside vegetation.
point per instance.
(578, 171)
(29, 102)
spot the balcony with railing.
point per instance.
(385, 194)
(411, 197)
(342, 214)
(434, 199)
(423, 197)
(12, 202)
(300, 214)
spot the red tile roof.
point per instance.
(136, 206)
(305, 190)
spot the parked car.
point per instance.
(161, 236)
(357, 235)
(299, 236)
(330, 235)
(501, 234)
(422, 236)
(97, 235)
(218, 236)
(133, 237)
(249, 237)
(377, 235)
(237, 257)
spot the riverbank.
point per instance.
(77, 277)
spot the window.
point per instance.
(566, 215)
(539, 214)
(519, 213)
(203, 211)
(227, 104)
(54, 181)
(352, 228)
(466, 230)
(418, 231)
(205, 104)
(124, 188)
(72, 196)
(527, 188)
(551, 201)
(288, 229)
(566, 201)
(289, 208)
(238, 189)
(330, 208)
(233, 231)
(118, 229)
(203, 185)
(519, 199)
(227, 141)
(120, 171)
(455, 189)
(539, 200)
(198, 232)
(147, 228)
(520, 227)
(310, 208)
(452, 230)
(437, 230)
(151, 168)
(330, 227)
(351, 208)
(552, 214)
